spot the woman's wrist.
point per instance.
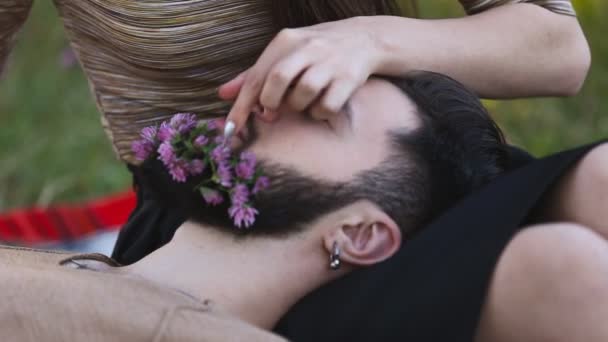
(387, 44)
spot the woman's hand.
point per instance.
(315, 68)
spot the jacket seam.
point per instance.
(18, 248)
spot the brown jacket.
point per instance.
(44, 296)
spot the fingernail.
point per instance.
(228, 132)
(229, 129)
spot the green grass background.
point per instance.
(52, 148)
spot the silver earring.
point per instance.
(334, 257)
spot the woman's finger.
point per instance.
(334, 99)
(230, 90)
(249, 95)
(269, 115)
(308, 88)
(280, 77)
(245, 101)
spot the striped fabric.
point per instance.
(146, 60)
(557, 6)
(65, 223)
(12, 16)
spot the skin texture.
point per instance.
(549, 285)
(581, 196)
(550, 282)
(547, 280)
(307, 67)
(241, 274)
(352, 141)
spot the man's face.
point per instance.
(355, 140)
(312, 164)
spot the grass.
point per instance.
(54, 150)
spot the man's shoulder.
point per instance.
(58, 303)
(66, 303)
(13, 256)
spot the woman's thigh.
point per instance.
(550, 284)
(581, 195)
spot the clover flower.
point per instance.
(245, 169)
(240, 195)
(166, 132)
(188, 148)
(220, 153)
(196, 167)
(214, 124)
(211, 197)
(201, 141)
(166, 153)
(183, 123)
(243, 216)
(144, 147)
(224, 174)
(261, 184)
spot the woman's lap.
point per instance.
(548, 285)
(434, 288)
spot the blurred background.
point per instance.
(52, 147)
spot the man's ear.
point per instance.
(366, 237)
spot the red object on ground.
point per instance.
(66, 222)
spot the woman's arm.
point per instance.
(516, 50)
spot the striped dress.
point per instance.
(146, 60)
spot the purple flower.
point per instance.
(179, 170)
(183, 122)
(212, 197)
(243, 215)
(246, 166)
(239, 195)
(244, 170)
(196, 167)
(149, 134)
(177, 167)
(201, 141)
(248, 157)
(213, 124)
(166, 153)
(224, 172)
(142, 149)
(166, 132)
(261, 184)
(233, 176)
(220, 154)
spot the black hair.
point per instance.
(299, 13)
(456, 149)
(459, 148)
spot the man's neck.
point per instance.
(257, 279)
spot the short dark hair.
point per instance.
(457, 149)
